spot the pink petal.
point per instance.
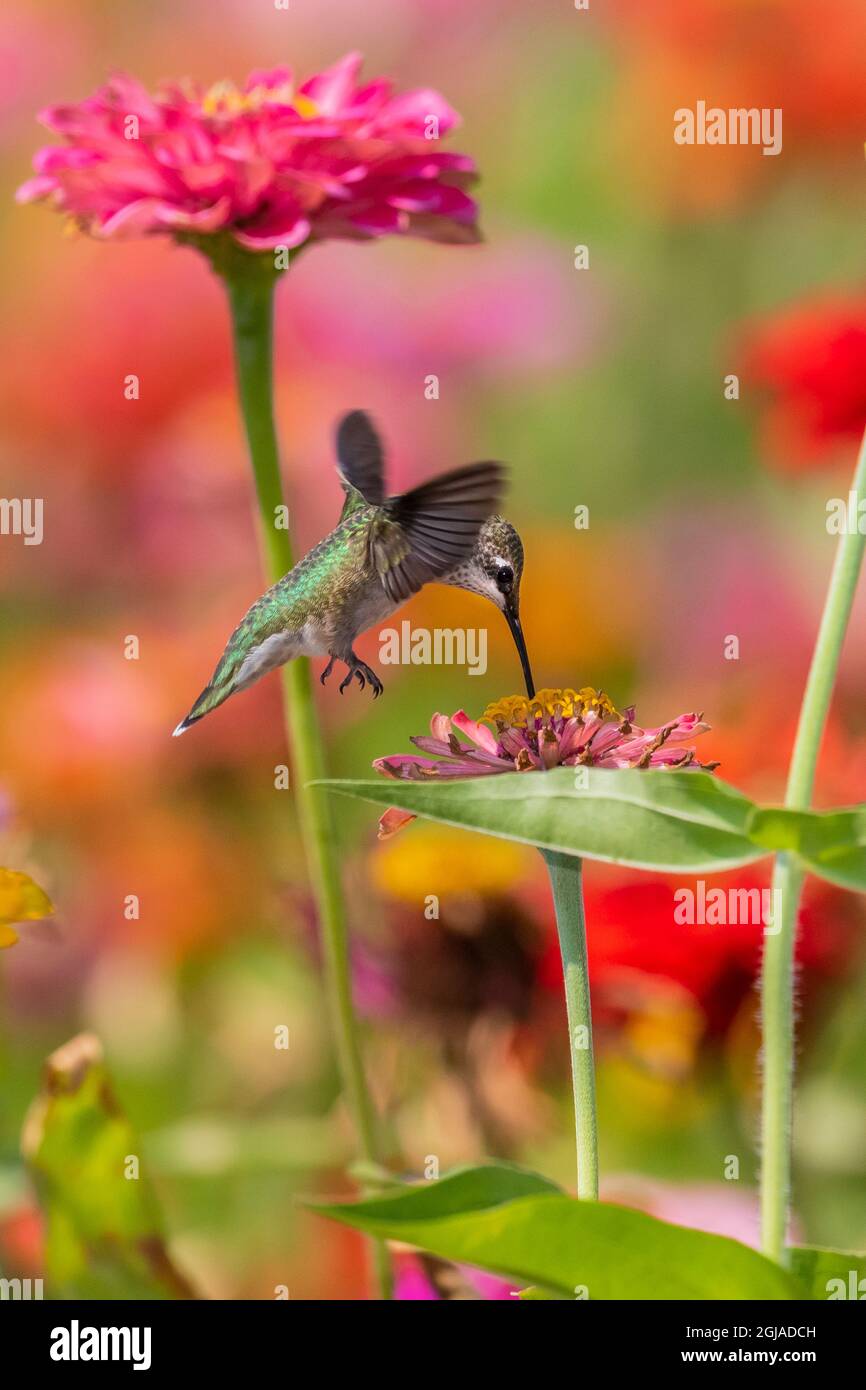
(38, 187)
(275, 227)
(206, 220)
(465, 753)
(133, 219)
(54, 159)
(411, 111)
(268, 78)
(478, 733)
(333, 88)
(377, 220)
(128, 96)
(439, 746)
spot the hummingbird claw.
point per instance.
(327, 671)
(364, 673)
(375, 684)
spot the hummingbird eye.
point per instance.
(504, 577)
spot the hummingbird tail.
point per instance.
(209, 699)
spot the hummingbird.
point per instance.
(382, 550)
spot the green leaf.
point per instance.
(832, 844)
(647, 819)
(830, 1274)
(561, 1246)
(465, 1189)
(103, 1230)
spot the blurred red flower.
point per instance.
(636, 941)
(811, 359)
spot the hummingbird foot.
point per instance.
(364, 674)
(327, 671)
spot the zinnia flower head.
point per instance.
(556, 728)
(270, 164)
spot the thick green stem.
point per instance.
(566, 881)
(251, 293)
(777, 985)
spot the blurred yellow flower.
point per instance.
(435, 857)
(21, 900)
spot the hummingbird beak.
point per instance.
(512, 617)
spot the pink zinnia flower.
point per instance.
(271, 164)
(556, 728)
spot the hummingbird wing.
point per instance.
(422, 534)
(361, 462)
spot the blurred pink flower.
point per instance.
(704, 1206)
(430, 1280)
(270, 164)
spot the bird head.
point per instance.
(494, 570)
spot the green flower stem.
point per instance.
(566, 881)
(777, 987)
(250, 288)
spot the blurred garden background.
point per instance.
(601, 387)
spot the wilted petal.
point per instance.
(393, 820)
(440, 727)
(404, 766)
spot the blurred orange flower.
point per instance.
(738, 54)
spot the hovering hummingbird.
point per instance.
(382, 550)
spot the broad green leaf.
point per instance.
(564, 1247)
(103, 1230)
(647, 819)
(474, 1188)
(21, 900)
(832, 844)
(830, 1274)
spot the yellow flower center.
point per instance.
(518, 710)
(225, 99)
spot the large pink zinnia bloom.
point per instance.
(555, 728)
(272, 164)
